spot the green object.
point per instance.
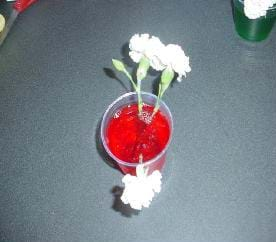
(252, 29)
(143, 68)
(166, 79)
(118, 65)
(121, 67)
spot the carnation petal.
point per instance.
(139, 190)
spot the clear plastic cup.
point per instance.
(253, 29)
(126, 167)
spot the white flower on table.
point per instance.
(254, 9)
(140, 190)
(145, 46)
(174, 57)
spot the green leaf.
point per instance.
(143, 67)
(118, 65)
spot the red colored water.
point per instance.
(129, 135)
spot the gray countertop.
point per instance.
(55, 83)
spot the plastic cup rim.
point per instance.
(129, 164)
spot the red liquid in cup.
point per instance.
(129, 136)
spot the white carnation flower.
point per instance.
(144, 46)
(174, 57)
(137, 46)
(140, 190)
(254, 9)
(159, 55)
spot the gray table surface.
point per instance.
(55, 83)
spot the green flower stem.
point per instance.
(131, 80)
(121, 67)
(141, 158)
(140, 102)
(166, 79)
(141, 73)
(157, 104)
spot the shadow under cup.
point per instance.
(252, 29)
(155, 163)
